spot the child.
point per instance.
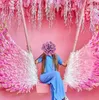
(50, 74)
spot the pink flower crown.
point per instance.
(49, 48)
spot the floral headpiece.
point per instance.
(49, 48)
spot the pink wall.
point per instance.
(63, 38)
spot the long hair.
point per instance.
(44, 62)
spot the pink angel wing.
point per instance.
(83, 70)
(18, 72)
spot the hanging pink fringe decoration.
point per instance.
(17, 68)
(36, 10)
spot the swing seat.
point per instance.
(45, 88)
(42, 88)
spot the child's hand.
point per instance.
(66, 63)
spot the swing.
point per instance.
(44, 88)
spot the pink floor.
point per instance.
(72, 94)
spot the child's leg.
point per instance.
(57, 87)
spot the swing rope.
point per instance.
(79, 26)
(25, 27)
(78, 30)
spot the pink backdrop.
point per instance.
(63, 38)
